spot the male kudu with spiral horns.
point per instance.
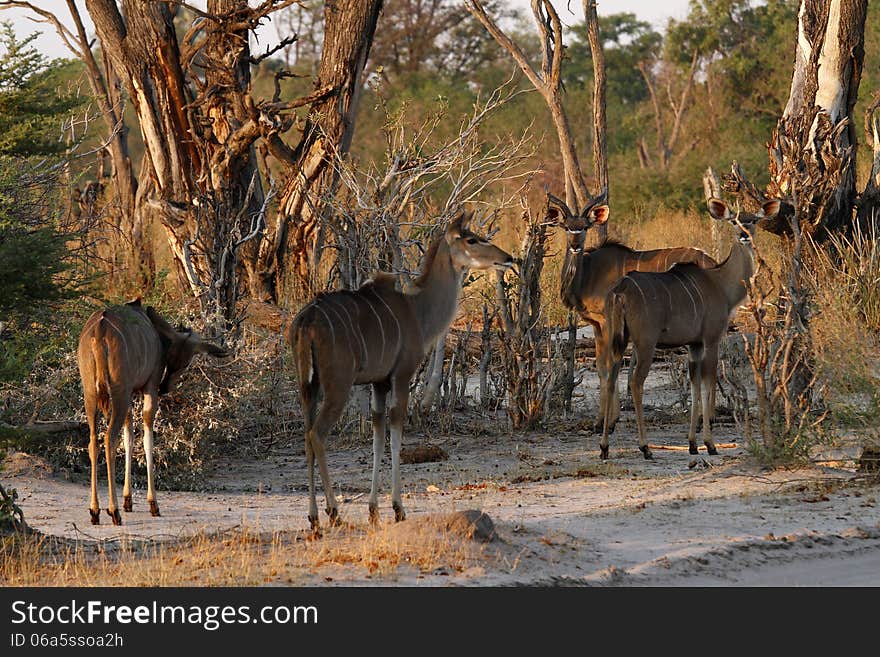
(587, 277)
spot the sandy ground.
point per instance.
(563, 517)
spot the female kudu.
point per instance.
(686, 306)
(378, 335)
(123, 350)
(588, 276)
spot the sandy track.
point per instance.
(563, 516)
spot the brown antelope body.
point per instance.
(123, 350)
(686, 306)
(378, 335)
(588, 276)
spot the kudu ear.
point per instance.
(162, 327)
(718, 209)
(599, 214)
(771, 208)
(455, 227)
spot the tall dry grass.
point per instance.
(241, 557)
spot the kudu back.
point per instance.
(687, 306)
(378, 335)
(123, 350)
(588, 276)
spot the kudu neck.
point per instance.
(436, 293)
(738, 268)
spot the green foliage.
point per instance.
(32, 106)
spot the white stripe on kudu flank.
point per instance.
(121, 335)
(639, 288)
(354, 327)
(344, 328)
(696, 287)
(381, 328)
(394, 317)
(329, 323)
(685, 287)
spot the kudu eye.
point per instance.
(472, 240)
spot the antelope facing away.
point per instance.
(123, 350)
(588, 276)
(378, 335)
(686, 306)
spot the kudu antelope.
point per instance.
(686, 306)
(587, 276)
(123, 350)
(378, 335)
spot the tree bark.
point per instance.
(812, 151)
(294, 252)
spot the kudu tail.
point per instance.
(302, 340)
(102, 370)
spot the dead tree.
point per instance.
(200, 125)
(817, 124)
(548, 82)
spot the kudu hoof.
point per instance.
(115, 515)
(646, 452)
(398, 513)
(95, 516)
(334, 517)
(603, 452)
(712, 450)
(126, 504)
(154, 509)
(692, 448)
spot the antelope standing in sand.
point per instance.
(378, 335)
(123, 350)
(686, 306)
(588, 276)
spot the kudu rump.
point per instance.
(686, 306)
(587, 277)
(378, 335)
(123, 350)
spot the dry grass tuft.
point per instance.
(242, 557)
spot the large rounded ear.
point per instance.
(771, 208)
(599, 214)
(453, 230)
(718, 209)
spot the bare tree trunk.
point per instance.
(817, 122)
(295, 248)
(600, 146)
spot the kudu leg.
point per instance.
(695, 363)
(94, 507)
(308, 398)
(637, 387)
(709, 372)
(151, 403)
(126, 440)
(331, 410)
(111, 443)
(602, 369)
(610, 384)
(400, 394)
(380, 393)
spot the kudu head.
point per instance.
(178, 349)
(744, 223)
(471, 251)
(595, 213)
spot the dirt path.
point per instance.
(563, 516)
